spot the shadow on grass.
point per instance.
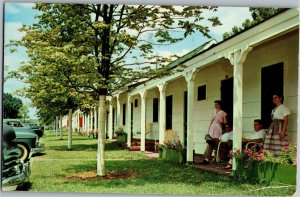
(149, 172)
(65, 138)
(24, 187)
(38, 154)
(112, 146)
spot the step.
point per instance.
(138, 148)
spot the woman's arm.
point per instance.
(282, 134)
(225, 119)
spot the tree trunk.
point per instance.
(70, 130)
(101, 136)
(61, 132)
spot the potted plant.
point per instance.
(261, 165)
(172, 149)
(121, 135)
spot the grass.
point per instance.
(62, 170)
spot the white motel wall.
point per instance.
(242, 58)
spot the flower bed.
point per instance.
(260, 166)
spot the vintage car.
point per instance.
(39, 130)
(15, 172)
(26, 139)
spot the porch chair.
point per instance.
(260, 145)
(217, 157)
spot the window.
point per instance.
(155, 109)
(135, 103)
(124, 114)
(201, 93)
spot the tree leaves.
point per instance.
(81, 50)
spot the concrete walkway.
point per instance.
(151, 155)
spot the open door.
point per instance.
(271, 82)
(169, 111)
(185, 119)
(227, 98)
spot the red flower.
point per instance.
(246, 167)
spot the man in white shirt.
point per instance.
(212, 144)
(257, 135)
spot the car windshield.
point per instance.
(13, 123)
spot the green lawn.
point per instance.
(61, 170)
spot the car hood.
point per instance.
(23, 129)
(24, 134)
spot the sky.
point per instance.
(17, 14)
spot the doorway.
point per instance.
(271, 82)
(185, 120)
(131, 121)
(227, 98)
(169, 105)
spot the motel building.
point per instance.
(242, 71)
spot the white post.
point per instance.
(237, 59)
(84, 123)
(118, 111)
(128, 122)
(92, 123)
(78, 121)
(110, 120)
(88, 123)
(61, 127)
(70, 130)
(56, 125)
(95, 120)
(190, 77)
(143, 119)
(162, 112)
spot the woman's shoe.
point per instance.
(228, 166)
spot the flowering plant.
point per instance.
(252, 162)
(289, 154)
(119, 131)
(251, 154)
(172, 142)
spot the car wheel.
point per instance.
(24, 152)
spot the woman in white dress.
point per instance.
(276, 137)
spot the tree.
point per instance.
(23, 113)
(11, 106)
(96, 49)
(258, 15)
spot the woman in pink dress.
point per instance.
(219, 117)
(215, 130)
(276, 137)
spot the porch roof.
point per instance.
(282, 23)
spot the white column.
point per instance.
(84, 122)
(128, 121)
(143, 120)
(56, 125)
(78, 120)
(237, 59)
(190, 77)
(110, 119)
(61, 127)
(118, 112)
(92, 119)
(70, 130)
(88, 122)
(95, 120)
(162, 111)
